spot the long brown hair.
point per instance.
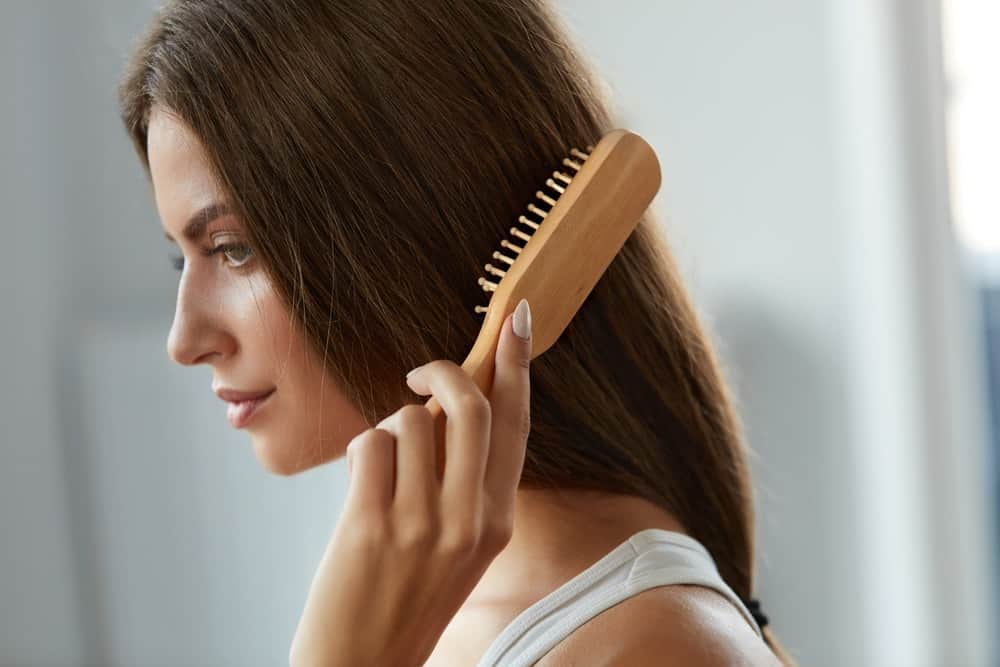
(377, 151)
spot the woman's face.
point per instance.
(229, 317)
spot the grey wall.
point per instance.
(804, 197)
(39, 612)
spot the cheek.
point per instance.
(267, 328)
(292, 368)
(315, 423)
(315, 419)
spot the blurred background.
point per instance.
(829, 187)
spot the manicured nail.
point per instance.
(415, 370)
(522, 319)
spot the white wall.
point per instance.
(803, 195)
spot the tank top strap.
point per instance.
(649, 558)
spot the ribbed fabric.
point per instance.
(652, 557)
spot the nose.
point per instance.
(184, 348)
(195, 336)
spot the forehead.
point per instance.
(182, 179)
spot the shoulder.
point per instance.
(677, 624)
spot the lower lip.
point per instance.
(240, 413)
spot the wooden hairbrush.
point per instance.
(564, 245)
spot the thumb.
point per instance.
(510, 398)
(510, 395)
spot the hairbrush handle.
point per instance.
(481, 370)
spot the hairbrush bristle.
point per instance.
(539, 211)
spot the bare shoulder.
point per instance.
(677, 624)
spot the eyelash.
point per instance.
(178, 260)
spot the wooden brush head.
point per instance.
(582, 224)
(573, 244)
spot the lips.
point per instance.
(233, 396)
(240, 413)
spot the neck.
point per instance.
(557, 535)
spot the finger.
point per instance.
(416, 484)
(373, 462)
(510, 396)
(467, 427)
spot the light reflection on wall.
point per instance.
(972, 52)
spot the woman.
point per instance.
(350, 166)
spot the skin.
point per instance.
(229, 317)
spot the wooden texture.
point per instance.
(568, 253)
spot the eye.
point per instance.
(226, 248)
(178, 260)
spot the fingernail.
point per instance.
(415, 370)
(522, 319)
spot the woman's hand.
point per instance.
(409, 549)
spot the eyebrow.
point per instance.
(195, 226)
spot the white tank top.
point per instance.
(652, 557)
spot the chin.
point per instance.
(277, 461)
(288, 461)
